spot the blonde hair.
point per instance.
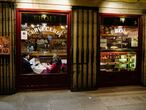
(54, 55)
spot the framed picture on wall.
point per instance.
(4, 45)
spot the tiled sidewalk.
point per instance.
(113, 98)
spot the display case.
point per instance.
(119, 49)
(118, 44)
(118, 61)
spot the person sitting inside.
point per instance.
(34, 65)
(26, 66)
(55, 67)
(37, 66)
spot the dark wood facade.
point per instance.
(7, 62)
(83, 54)
(84, 48)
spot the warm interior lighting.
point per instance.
(62, 27)
(65, 2)
(24, 5)
(43, 16)
(32, 25)
(45, 4)
(44, 24)
(122, 19)
(38, 25)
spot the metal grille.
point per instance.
(7, 28)
(84, 48)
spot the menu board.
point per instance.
(4, 45)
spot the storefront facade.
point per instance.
(120, 49)
(44, 34)
(87, 41)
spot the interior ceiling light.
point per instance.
(43, 16)
(122, 19)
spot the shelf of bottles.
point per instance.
(118, 44)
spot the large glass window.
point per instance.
(118, 61)
(43, 43)
(118, 44)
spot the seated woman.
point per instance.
(55, 66)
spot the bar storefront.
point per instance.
(71, 46)
(42, 49)
(45, 37)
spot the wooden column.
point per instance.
(143, 77)
(84, 48)
(7, 63)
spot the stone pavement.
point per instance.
(111, 98)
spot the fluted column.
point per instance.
(143, 77)
(7, 63)
(84, 48)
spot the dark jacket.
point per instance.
(26, 66)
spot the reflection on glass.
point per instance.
(43, 37)
(118, 44)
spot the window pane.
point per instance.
(44, 38)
